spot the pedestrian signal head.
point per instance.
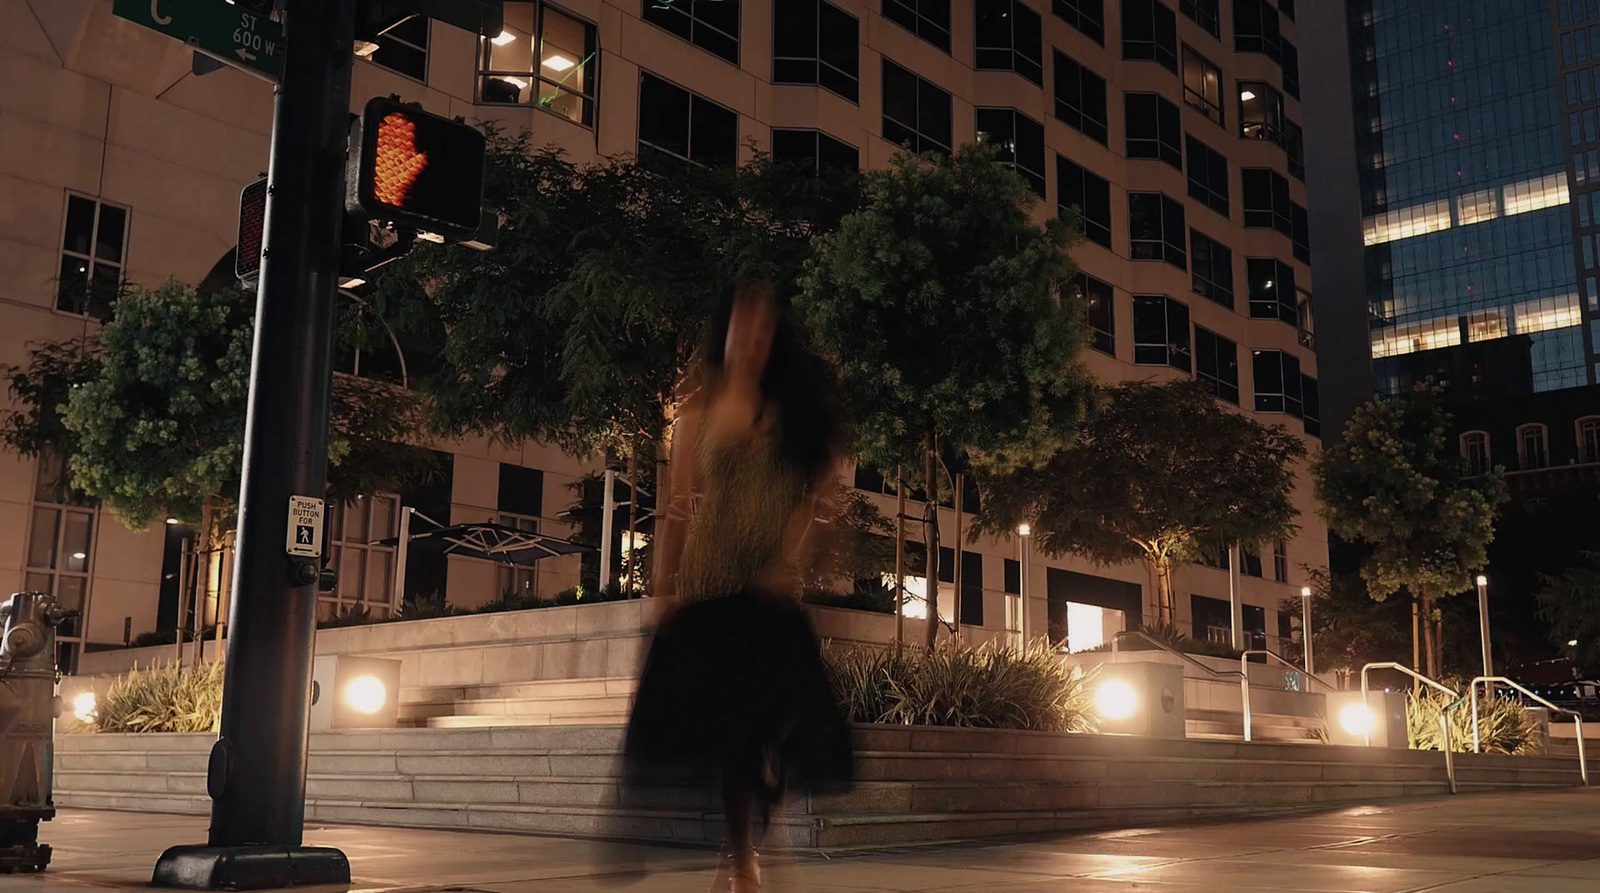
(417, 169)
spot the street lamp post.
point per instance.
(1305, 628)
(1483, 623)
(1023, 532)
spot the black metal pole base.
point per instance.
(250, 867)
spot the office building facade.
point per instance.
(1174, 129)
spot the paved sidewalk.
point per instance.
(1547, 842)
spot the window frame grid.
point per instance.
(1217, 383)
(915, 128)
(1542, 459)
(1208, 285)
(914, 7)
(1071, 12)
(689, 133)
(426, 51)
(696, 23)
(1101, 234)
(1173, 325)
(1166, 117)
(854, 96)
(1078, 116)
(1176, 254)
(341, 548)
(590, 97)
(1197, 100)
(1035, 67)
(1202, 185)
(1038, 180)
(92, 258)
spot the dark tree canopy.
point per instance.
(1394, 484)
(1160, 473)
(576, 328)
(941, 301)
(153, 420)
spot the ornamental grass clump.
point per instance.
(992, 686)
(1504, 725)
(163, 698)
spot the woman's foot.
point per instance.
(744, 874)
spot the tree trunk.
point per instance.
(900, 558)
(659, 521)
(629, 566)
(930, 523)
(202, 577)
(1164, 602)
(1429, 634)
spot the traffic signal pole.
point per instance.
(257, 771)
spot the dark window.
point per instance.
(1255, 27)
(1475, 452)
(1271, 289)
(677, 126)
(1313, 405)
(404, 48)
(1280, 561)
(916, 113)
(1266, 200)
(1160, 332)
(814, 150)
(1088, 16)
(550, 61)
(1080, 98)
(928, 19)
(1202, 85)
(91, 257)
(1099, 303)
(1205, 13)
(1250, 561)
(1154, 128)
(1277, 382)
(971, 586)
(1294, 146)
(1208, 176)
(1150, 31)
(711, 25)
(1287, 8)
(1260, 112)
(1010, 38)
(1156, 230)
(1300, 226)
(815, 42)
(1080, 188)
(1216, 364)
(1212, 263)
(1291, 69)
(1020, 140)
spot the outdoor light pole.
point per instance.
(1483, 623)
(257, 771)
(1305, 628)
(1023, 532)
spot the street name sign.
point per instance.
(249, 42)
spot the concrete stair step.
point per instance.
(617, 718)
(556, 688)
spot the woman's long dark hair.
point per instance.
(798, 382)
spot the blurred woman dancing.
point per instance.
(734, 692)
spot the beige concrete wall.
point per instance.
(95, 105)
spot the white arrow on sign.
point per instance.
(245, 54)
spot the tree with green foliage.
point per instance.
(1161, 473)
(149, 412)
(577, 328)
(1348, 627)
(942, 304)
(1570, 602)
(1394, 484)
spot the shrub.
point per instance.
(1504, 726)
(426, 607)
(994, 686)
(347, 615)
(170, 637)
(164, 698)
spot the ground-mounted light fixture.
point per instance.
(354, 693)
(1139, 698)
(1380, 721)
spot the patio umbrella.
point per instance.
(491, 542)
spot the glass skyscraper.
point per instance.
(1466, 116)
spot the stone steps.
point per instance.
(914, 784)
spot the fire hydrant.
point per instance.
(28, 710)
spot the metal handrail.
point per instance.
(1472, 692)
(1444, 715)
(1244, 682)
(1140, 634)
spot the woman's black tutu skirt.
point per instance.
(735, 697)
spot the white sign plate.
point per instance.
(305, 527)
